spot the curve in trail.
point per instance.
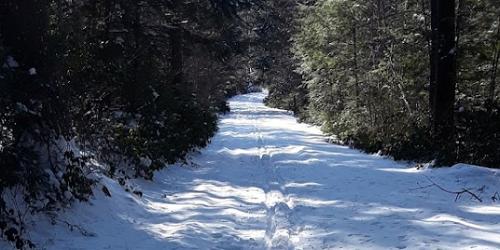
(268, 182)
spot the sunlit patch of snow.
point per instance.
(295, 162)
(314, 203)
(486, 210)
(379, 209)
(401, 170)
(302, 185)
(447, 218)
(238, 152)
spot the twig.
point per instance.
(79, 228)
(21, 215)
(457, 193)
(422, 187)
(495, 197)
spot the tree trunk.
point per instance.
(494, 65)
(176, 67)
(355, 62)
(133, 86)
(177, 60)
(443, 79)
(136, 84)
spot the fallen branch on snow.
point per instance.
(72, 227)
(457, 193)
(495, 197)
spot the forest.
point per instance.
(125, 88)
(367, 72)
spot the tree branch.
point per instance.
(457, 193)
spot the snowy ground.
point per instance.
(267, 182)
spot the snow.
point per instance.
(268, 182)
(10, 62)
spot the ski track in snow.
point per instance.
(267, 182)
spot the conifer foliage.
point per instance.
(413, 79)
(132, 84)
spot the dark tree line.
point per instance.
(134, 85)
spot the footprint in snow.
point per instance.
(402, 237)
(217, 235)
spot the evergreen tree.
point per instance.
(377, 75)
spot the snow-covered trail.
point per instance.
(267, 182)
